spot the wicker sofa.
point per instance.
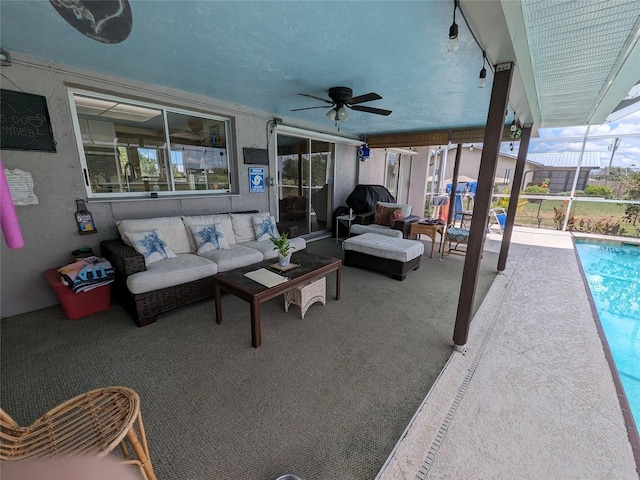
(147, 288)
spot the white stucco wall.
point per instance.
(49, 228)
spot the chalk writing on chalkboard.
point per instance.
(256, 156)
(24, 122)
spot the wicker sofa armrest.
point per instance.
(364, 218)
(404, 224)
(124, 259)
(291, 230)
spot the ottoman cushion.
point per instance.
(358, 229)
(383, 246)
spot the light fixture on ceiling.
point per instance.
(5, 58)
(339, 115)
(453, 31)
(482, 79)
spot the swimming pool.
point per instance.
(612, 271)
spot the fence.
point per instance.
(588, 215)
(585, 214)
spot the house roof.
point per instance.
(574, 61)
(566, 160)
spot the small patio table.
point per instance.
(430, 231)
(310, 267)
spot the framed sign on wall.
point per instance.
(25, 123)
(256, 156)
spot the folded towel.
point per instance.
(87, 274)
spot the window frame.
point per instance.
(172, 192)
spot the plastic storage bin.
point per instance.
(77, 305)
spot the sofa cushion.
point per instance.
(265, 228)
(358, 229)
(235, 257)
(183, 268)
(150, 245)
(223, 219)
(406, 208)
(266, 247)
(170, 229)
(208, 237)
(243, 225)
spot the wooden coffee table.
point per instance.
(311, 266)
(418, 228)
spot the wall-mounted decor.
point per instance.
(21, 187)
(106, 21)
(256, 180)
(256, 156)
(25, 123)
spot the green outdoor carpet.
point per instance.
(326, 397)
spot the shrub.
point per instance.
(536, 190)
(597, 191)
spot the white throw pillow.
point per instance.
(150, 245)
(170, 229)
(265, 228)
(209, 237)
(243, 225)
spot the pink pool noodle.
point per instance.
(8, 218)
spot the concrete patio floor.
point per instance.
(532, 396)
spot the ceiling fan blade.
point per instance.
(307, 108)
(377, 111)
(317, 98)
(367, 97)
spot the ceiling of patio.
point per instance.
(575, 61)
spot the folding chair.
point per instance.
(500, 215)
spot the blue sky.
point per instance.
(627, 154)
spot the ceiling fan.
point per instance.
(342, 97)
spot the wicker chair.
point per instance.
(93, 423)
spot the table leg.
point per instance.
(433, 241)
(338, 281)
(256, 334)
(218, 304)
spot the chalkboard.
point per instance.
(256, 156)
(24, 122)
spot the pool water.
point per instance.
(613, 274)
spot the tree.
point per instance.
(632, 192)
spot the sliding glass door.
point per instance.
(305, 183)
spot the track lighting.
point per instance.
(482, 79)
(453, 31)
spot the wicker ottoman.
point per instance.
(306, 295)
(393, 256)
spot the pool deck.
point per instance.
(532, 396)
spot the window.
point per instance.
(132, 149)
(391, 173)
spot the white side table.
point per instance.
(344, 218)
(306, 295)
